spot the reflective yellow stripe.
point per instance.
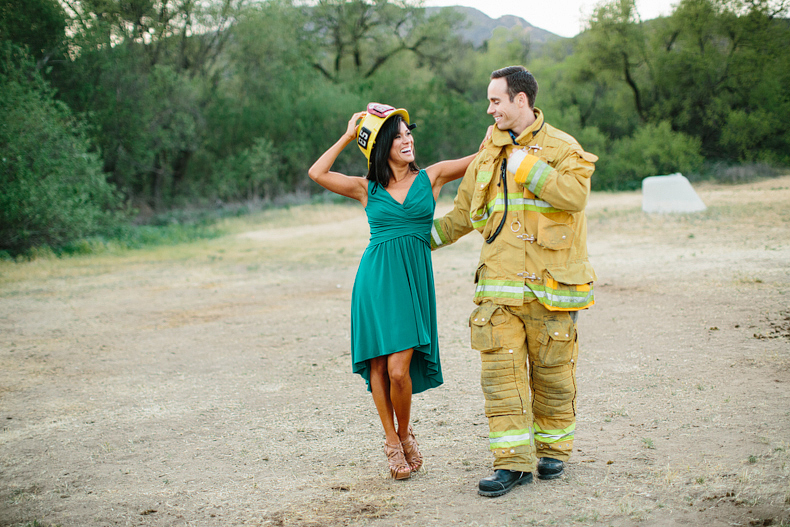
(500, 289)
(484, 176)
(510, 438)
(562, 297)
(555, 296)
(438, 237)
(554, 436)
(537, 177)
(515, 202)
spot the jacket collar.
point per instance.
(501, 138)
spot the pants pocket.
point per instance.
(556, 340)
(483, 322)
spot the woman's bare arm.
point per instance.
(351, 187)
(446, 171)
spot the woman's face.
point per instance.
(402, 149)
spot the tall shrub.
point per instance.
(652, 150)
(52, 188)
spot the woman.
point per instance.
(394, 342)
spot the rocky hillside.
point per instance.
(481, 26)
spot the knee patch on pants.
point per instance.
(504, 383)
(554, 391)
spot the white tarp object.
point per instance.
(667, 194)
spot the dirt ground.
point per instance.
(209, 384)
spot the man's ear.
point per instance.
(522, 98)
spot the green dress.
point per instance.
(393, 303)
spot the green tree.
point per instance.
(615, 48)
(145, 72)
(709, 69)
(187, 34)
(52, 188)
(357, 37)
(270, 92)
(274, 92)
(39, 25)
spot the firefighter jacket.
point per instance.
(536, 231)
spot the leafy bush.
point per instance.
(653, 150)
(53, 187)
(250, 174)
(744, 134)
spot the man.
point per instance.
(525, 192)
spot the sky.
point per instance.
(562, 17)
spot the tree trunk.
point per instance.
(180, 170)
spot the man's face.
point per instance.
(507, 114)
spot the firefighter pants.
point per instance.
(528, 377)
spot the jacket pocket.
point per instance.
(550, 153)
(479, 273)
(568, 289)
(553, 235)
(573, 273)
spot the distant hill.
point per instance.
(481, 26)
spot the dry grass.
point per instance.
(207, 384)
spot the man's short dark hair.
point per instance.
(518, 79)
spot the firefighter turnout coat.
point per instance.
(532, 276)
(541, 250)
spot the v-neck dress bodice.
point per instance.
(393, 303)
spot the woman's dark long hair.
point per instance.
(379, 171)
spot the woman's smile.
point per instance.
(403, 145)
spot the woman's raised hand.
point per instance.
(351, 131)
(321, 171)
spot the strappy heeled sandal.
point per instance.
(411, 451)
(399, 469)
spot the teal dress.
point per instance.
(393, 303)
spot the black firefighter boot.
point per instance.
(550, 468)
(502, 482)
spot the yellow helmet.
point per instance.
(367, 130)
